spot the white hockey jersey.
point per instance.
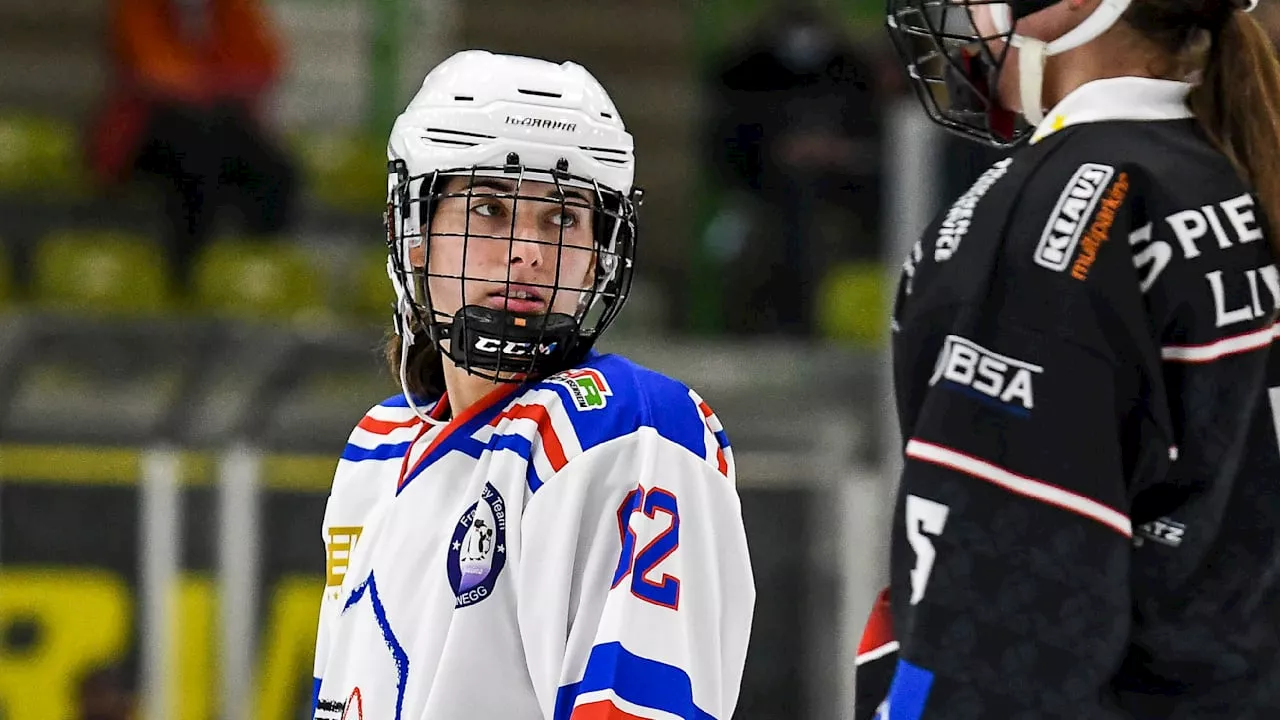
(570, 550)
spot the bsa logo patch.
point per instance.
(588, 387)
(1006, 381)
(478, 550)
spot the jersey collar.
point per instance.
(1121, 98)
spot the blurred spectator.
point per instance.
(795, 146)
(105, 695)
(191, 77)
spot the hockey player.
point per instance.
(532, 530)
(1088, 521)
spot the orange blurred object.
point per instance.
(230, 55)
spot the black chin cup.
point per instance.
(971, 81)
(500, 342)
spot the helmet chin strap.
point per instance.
(406, 341)
(1033, 53)
(404, 329)
(1032, 56)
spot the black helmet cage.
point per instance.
(495, 344)
(952, 67)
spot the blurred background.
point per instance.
(192, 296)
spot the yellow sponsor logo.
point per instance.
(338, 546)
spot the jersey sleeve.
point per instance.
(635, 583)
(876, 660)
(365, 474)
(329, 606)
(1012, 531)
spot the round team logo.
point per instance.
(478, 550)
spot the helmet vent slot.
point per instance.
(463, 133)
(539, 93)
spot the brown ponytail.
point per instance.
(1238, 104)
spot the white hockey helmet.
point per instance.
(522, 119)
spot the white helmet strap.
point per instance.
(1032, 56)
(1034, 53)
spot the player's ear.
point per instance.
(418, 252)
(593, 268)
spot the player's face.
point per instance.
(1049, 24)
(507, 254)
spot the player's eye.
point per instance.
(564, 218)
(487, 209)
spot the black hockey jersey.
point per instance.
(1088, 521)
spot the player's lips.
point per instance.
(517, 298)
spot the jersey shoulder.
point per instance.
(1163, 158)
(384, 433)
(1109, 203)
(608, 397)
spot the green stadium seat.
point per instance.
(40, 154)
(346, 172)
(852, 305)
(101, 272)
(373, 297)
(257, 280)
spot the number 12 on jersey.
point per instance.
(659, 505)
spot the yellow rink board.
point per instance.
(88, 615)
(114, 466)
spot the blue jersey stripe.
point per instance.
(462, 443)
(723, 438)
(681, 423)
(640, 681)
(459, 437)
(399, 401)
(398, 655)
(515, 443)
(908, 692)
(395, 401)
(524, 448)
(531, 477)
(355, 453)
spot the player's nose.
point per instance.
(531, 241)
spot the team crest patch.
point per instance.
(478, 550)
(588, 387)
